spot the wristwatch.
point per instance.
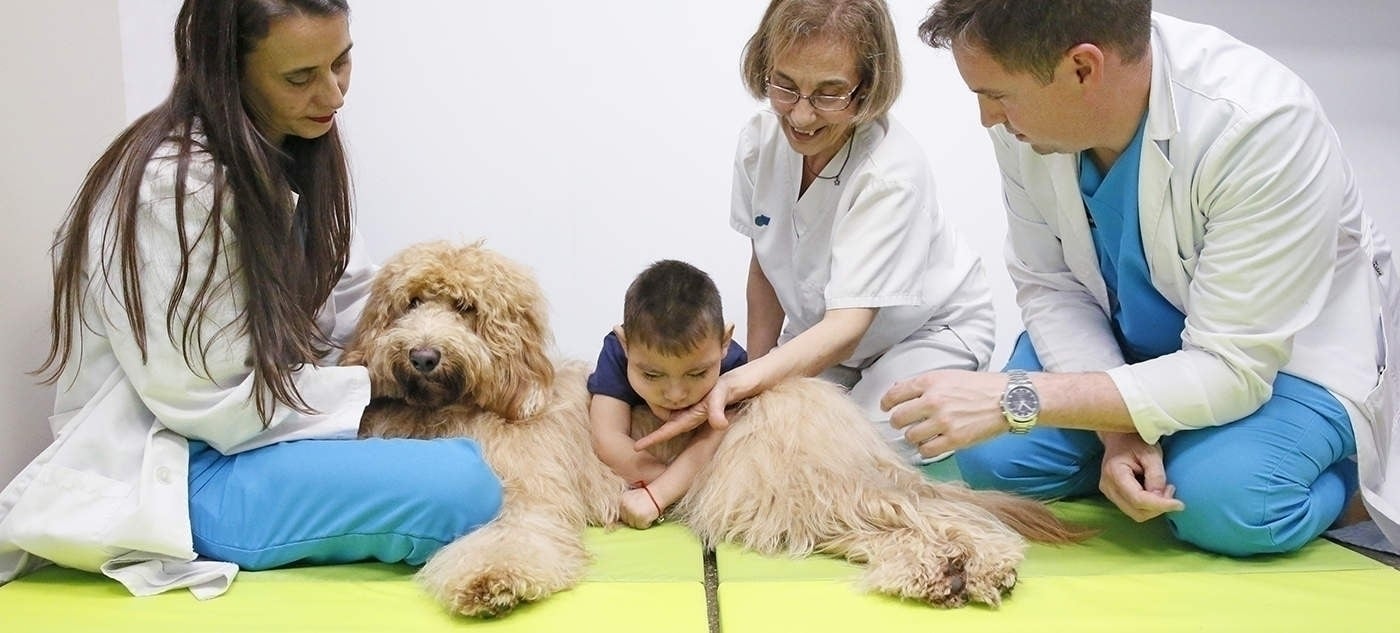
(1020, 404)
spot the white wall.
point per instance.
(1347, 51)
(588, 139)
(62, 104)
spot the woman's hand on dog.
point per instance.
(711, 408)
(680, 423)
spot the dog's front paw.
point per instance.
(489, 594)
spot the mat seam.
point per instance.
(711, 565)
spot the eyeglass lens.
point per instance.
(829, 103)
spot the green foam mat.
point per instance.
(1129, 578)
(1122, 547)
(1281, 602)
(639, 578)
(663, 553)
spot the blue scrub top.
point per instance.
(1145, 323)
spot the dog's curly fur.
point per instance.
(457, 342)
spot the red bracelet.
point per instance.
(643, 486)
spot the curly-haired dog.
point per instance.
(457, 342)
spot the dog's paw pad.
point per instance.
(488, 595)
(989, 588)
(948, 587)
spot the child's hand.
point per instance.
(638, 509)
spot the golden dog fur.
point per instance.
(456, 340)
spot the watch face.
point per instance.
(1022, 402)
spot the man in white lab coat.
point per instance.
(1204, 297)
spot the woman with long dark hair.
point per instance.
(203, 279)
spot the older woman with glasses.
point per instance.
(855, 275)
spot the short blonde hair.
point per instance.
(865, 25)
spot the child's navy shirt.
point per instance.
(609, 378)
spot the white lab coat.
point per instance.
(1252, 226)
(110, 493)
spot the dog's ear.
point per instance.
(378, 313)
(522, 378)
(518, 335)
(521, 390)
(354, 355)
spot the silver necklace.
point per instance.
(836, 180)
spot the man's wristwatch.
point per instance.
(1020, 403)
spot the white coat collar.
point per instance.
(1154, 173)
(1154, 179)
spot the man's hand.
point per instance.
(947, 409)
(1134, 478)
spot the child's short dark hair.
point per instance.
(672, 307)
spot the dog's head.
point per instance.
(448, 324)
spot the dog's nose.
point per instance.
(424, 359)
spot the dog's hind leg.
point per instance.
(522, 556)
(904, 564)
(940, 552)
(801, 470)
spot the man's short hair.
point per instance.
(1032, 35)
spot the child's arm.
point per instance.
(610, 420)
(641, 507)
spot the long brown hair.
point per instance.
(288, 258)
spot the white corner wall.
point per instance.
(586, 139)
(62, 81)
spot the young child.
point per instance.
(668, 353)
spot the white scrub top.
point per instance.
(872, 238)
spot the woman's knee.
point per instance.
(337, 501)
(458, 487)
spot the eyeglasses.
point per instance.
(825, 103)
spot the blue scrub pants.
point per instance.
(1269, 482)
(338, 501)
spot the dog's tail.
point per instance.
(1028, 517)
